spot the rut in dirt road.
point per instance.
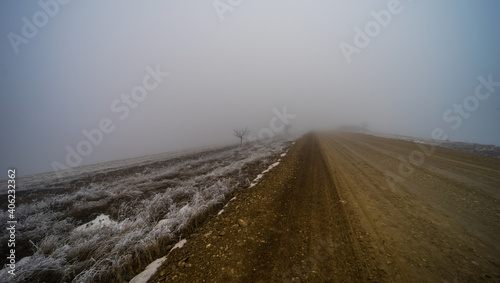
(327, 213)
(297, 230)
(438, 224)
(313, 238)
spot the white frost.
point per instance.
(150, 270)
(156, 202)
(256, 180)
(96, 224)
(179, 245)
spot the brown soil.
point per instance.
(328, 213)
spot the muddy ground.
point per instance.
(350, 207)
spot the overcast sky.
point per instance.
(197, 69)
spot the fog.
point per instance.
(145, 77)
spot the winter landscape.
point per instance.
(249, 141)
(107, 221)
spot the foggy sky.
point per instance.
(231, 68)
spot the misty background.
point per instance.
(230, 70)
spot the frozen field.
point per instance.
(107, 222)
(474, 148)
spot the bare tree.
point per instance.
(241, 133)
(364, 125)
(287, 129)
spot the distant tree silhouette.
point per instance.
(364, 125)
(241, 133)
(287, 129)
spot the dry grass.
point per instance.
(151, 206)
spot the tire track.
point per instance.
(325, 214)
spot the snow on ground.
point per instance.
(151, 269)
(256, 180)
(51, 180)
(116, 219)
(180, 244)
(474, 148)
(96, 224)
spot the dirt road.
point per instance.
(350, 207)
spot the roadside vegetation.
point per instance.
(110, 228)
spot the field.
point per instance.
(106, 222)
(331, 206)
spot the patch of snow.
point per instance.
(474, 148)
(259, 177)
(230, 201)
(150, 270)
(179, 245)
(164, 189)
(270, 167)
(256, 180)
(24, 260)
(96, 224)
(163, 222)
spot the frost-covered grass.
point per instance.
(487, 150)
(109, 229)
